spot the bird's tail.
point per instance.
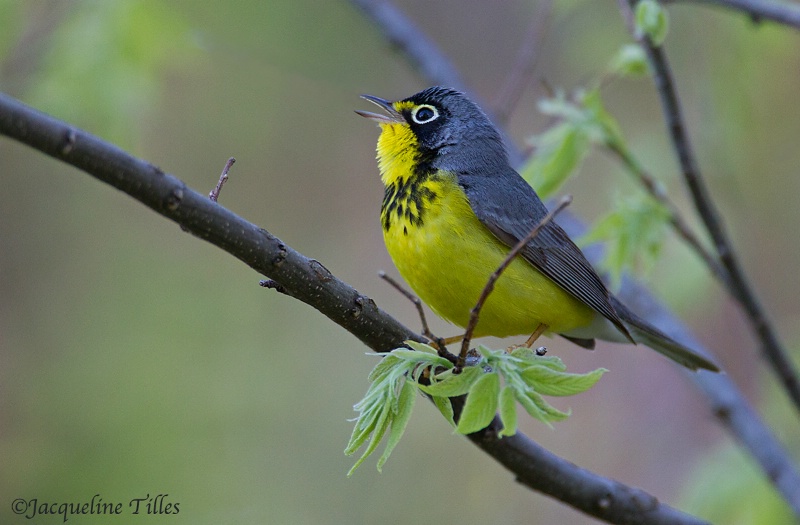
(647, 334)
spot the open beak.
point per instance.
(392, 117)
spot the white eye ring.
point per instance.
(429, 114)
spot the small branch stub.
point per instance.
(223, 178)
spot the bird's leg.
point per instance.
(532, 339)
(452, 339)
(440, 343)
(535, 335)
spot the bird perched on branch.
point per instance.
(453, 208)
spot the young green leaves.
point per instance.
(495, 383)
(580, 124)
(635, 230)
(652, 20)
(526, 378)
(389, 400)
(633, 234)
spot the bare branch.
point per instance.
(739, 286)
(606, 499)
(399, 31)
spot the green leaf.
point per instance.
(530, 407)
(405, 404)
(389, 401)
(508, 412)
(371, 410)
(445, 407)
(652, 20)
(359, 435)
(449, 384)
(538, 408)
(559, 152)
(633, 235)
(380, 428)
(409, 355)
(421, 354)
(529, 356)
(422, 347)
(549, 382)
(562, 149)
(488, 353)
(387, 364)
(630, 60)
(481, 404)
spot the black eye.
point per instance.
(424, 114)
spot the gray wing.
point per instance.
(510, 209)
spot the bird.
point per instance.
(453, 208)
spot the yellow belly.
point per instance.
(449, 257)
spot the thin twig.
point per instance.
(758, 10)
(223, 178)
(739, 287)
(525, 64)
(426, 331)
(474, 314)
(439, 342)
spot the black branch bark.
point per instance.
(309, 281)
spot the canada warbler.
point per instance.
(452, 209)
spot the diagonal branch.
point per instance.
(738, 285)
(414, 44)
(726, 401)
(309, 281)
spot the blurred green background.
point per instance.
(136, 360)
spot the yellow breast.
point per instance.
(446, 255)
